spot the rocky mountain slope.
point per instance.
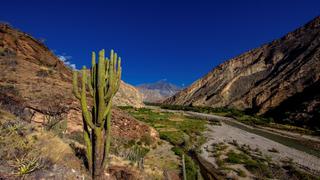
(35, 83)
(158, 91)
(280, 79)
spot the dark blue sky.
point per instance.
(158, 39)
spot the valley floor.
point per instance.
(232, 136)
(241, 151)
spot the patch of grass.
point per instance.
(56, 125)
(258, 168)
(191, 168)
(236, 158)
(146, 139)
(174, 137)
(185, 132)
(178, 151)
(131, 150)
(137, 152)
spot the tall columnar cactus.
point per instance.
(102, 85)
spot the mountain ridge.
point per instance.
(260, 79)
(34, 83)
(158, 91)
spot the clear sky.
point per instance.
(178, 40)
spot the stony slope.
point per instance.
(35, 83)
(158, 91)
(281, 77)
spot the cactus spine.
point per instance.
(102, 85)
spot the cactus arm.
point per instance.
(87, 139)
(101, 87)
(86, 114)
(93, 84)
(75, 85)
(89, 85)
(119, 71)
(107, 110)
(108, 138)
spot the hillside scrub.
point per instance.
(184, 133)
(21, 156)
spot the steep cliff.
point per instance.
(279, 78)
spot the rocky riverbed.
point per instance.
(227, 138)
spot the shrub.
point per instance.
(43, 73)
(236, 158)
(174, 137)
(177, 150)
(146, 139)
(56, 124)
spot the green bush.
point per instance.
(175, 138)
(191, 168)
(177, 150)
(236, 158)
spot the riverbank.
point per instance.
(306, 143)
(229, 135)
(236, 150)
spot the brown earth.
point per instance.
(281, 79)
(35, 84)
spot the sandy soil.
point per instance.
(226, 133)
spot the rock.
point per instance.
(158, 91)
(34, 83)
(280, 79)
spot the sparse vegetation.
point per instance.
(17, 150)
(242, 116)
(23, 166)
(42, 73)
(252, 160)
(182, 132)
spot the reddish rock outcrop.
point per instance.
(34, 83)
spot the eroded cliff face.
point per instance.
(128, 95)
(35, 83)
(263, 79)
